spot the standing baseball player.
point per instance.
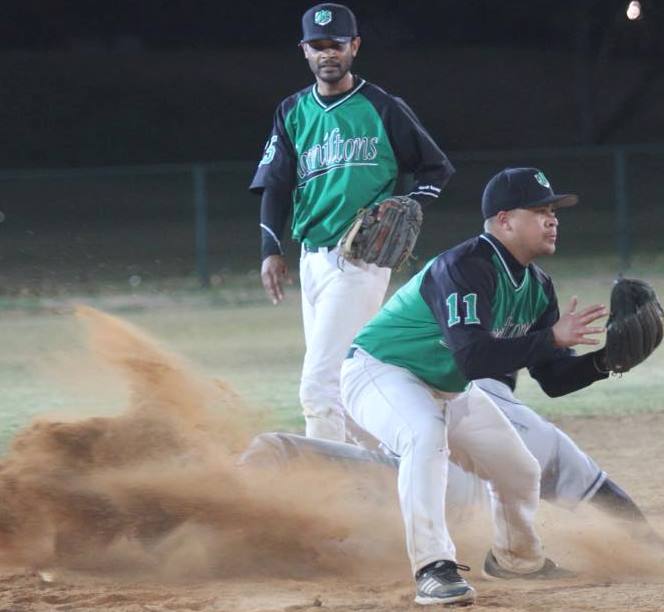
(480, 309)
(336, 147)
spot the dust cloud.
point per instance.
(158, 489)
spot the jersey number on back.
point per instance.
(470, 302)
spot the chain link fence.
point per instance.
(191, 225)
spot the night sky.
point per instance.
(157, 81)
(155, 24)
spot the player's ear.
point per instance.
(305, 49)
(355, 45)
(503, 219)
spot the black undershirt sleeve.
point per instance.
(274, 181)
(275, 209)
(568, 374)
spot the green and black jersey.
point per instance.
(475, 312)
(328, 157)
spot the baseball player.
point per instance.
(568, 475)
(481, 309)
(336, 146)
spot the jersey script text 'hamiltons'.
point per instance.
(336, 151)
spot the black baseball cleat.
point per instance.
(549, 571)
(440, 583)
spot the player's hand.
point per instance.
(274, 272)
(574, 327)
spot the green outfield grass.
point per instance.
(234, 333)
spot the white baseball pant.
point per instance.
(406, 415)
(336, 303)
(569, 475)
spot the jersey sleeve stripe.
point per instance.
(425, 193)
(273, 235)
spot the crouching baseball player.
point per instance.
(569, 476)
(480, 309)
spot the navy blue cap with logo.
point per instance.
(521, 188)
(329, 22)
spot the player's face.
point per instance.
(536, 230)
(329, 60)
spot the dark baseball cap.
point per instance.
(329, 22)
(521, 188)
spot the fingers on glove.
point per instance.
(652, 326)
(623, 345)
(384, 234)
(383, 208)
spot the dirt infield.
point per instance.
(148, 511)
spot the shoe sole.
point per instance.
(465, 598)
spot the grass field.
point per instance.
(234, 333)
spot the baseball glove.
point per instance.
(634, 329)
(384, 234)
